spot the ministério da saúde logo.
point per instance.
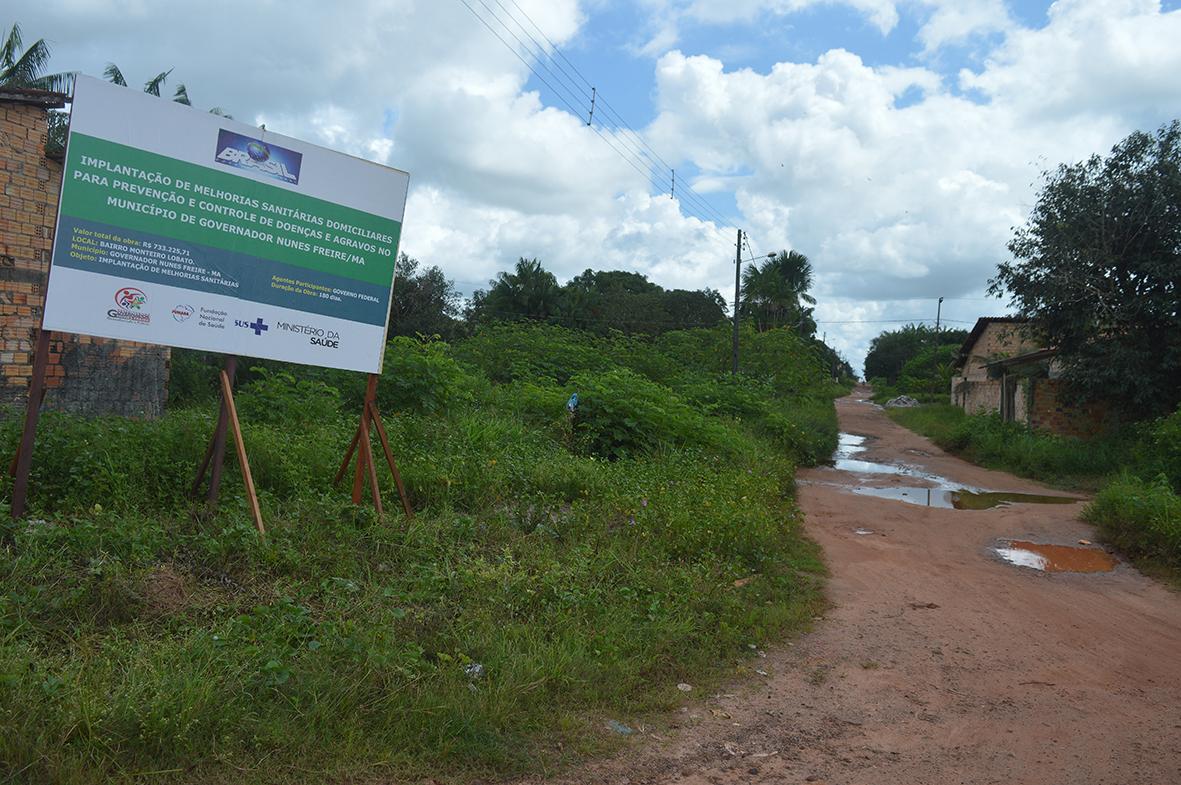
(132, 306)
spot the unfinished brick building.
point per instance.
(85, 375)
(1003, 368)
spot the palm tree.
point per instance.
(114, 75)
(152, 87)
(773, 293)
(529, 292)
(24, 69)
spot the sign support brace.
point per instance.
(23, 460)
(363, 447)
(215, 453)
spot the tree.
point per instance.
(423, 302)
(152, 87)
(694, 308)
(180, 95)
(1097, 267)
(26, 69)
(774, 293)
(529, 292)
(893, 349)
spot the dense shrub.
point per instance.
(280, 398)
(803, 427)
(507, 352)
(422, 376)
(741, 397)
(1163, 450)
(621, 413)
(1141, 518)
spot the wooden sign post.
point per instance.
(215, 453)
(363, 447)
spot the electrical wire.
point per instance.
(611, 112)
(637, 148)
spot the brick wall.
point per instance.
(1048, 413)
(85, 375)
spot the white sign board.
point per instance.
(187, 229)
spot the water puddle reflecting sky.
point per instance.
(944, 494)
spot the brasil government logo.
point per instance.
(132, 305)
(243, 152)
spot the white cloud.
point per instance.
(647, 234)
(1095, 57)
(956, 21)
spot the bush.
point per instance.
(192, 377)
(1164, 450)
(740, 397)
(508, 352)
(1141, 518)
(805, 428)
(422, 376)
(621, 413)
(279, 398)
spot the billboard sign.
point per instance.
(188, 229)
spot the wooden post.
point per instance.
(24, 455)
(239, 445)
(215, 452)
(17, 453)
(389, 459)
(362, 447)
(219, 435)
(214, 460)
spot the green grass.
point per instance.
(1142, 519)
(987, 440)
(586, 566)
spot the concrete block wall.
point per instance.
(85, 375)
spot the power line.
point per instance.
(637, 148)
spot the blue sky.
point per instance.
(895, 142)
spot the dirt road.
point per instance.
(938, 662)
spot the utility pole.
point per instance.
(737, 285)
(938, 314)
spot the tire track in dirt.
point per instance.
(938, 663)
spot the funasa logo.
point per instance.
(132, 306)
(243, 152)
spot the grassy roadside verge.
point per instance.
(561, 571)
(1137, 475)
(1064, 462)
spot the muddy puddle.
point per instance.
(1055, 558)
(944, 493)
(959, 499)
